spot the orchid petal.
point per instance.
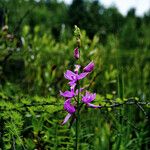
(67, 94)
(69, 107)
(89, 67)
(66, 118)
(89, 97)
(72, 87)
(93, 106)
(69, 75)
(82, 75)
(93, 96)
(72, 83)
(85, 100)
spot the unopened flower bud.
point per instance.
(78, 42)
(89, 67)
(5, 28)
(76, 53)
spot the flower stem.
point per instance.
(77, 117)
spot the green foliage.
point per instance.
(30, 120)
(129, 35)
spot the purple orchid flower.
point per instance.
(67, 94)
(76, 53)
(88, 98)
(70, 109)
(72, 93)
(89, 67)
(74, 77)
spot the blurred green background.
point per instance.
(36, 48)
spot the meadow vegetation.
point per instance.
(36, 48)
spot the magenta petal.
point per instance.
(72, 87)
(85, 100)
(87, 94)
(82, 75)
(67, 94)
(70, 75)
(72, 83)
(93, 96)
(69, 107)
(89, 97)
(66, 118)
(93, 106)
(89, 67)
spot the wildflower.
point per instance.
(67, 94)
(89, 67)
(88, 98)
(74, 77)
(70, 109)
(72, 93)
(76, 53)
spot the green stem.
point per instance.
(77, 117)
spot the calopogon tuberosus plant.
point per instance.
(76, 96)
(71, 96)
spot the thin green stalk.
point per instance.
(77, 117)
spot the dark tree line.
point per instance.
(53, 16)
